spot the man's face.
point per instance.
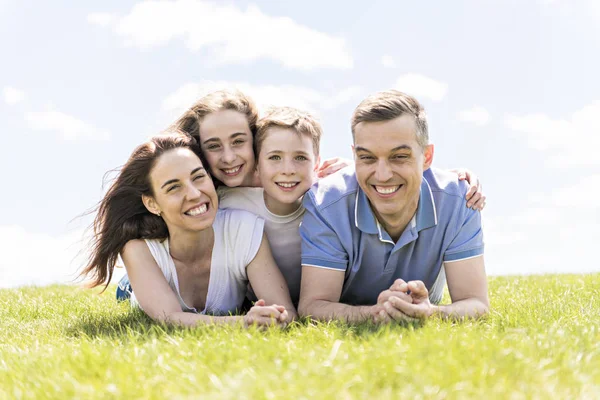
(389, 166)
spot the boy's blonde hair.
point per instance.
(288, 117)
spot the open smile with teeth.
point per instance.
(287, 185)
(232, 171)
(386, 189)
(201, 209)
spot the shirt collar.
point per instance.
(425, 217)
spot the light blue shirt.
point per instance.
(339, 231)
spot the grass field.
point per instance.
(542, 340)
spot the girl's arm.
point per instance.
(268, 282)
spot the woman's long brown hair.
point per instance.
(121, 215)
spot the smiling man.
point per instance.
(377, 237)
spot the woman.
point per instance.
(186, 260)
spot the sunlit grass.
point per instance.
(540, 341)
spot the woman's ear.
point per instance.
(150, 204)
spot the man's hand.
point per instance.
(419, 309)
(475, 197)
(399, 290)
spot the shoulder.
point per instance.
(134, 246)
(445, 186)
(240, 197)
(330, 190)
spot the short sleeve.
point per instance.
(243, 232)
(468, 240)
(321, 245)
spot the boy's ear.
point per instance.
(150, 204)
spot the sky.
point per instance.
(510, 89)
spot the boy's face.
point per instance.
(286, 164)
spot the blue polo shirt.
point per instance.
(340, 231)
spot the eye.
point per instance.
(238, 142)
(197, 177)
(400, 157)
(212, 147)
(274, 158)
(365, 158)
(301, 158)
(171, 188)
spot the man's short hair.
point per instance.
(288, 117)
(388, 105)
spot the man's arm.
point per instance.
(467, 284)
(320, 295)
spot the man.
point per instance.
(376, 236)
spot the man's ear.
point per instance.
(427, 157)
(150, 204)
(317, 164)
(353, 152)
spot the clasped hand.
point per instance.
(403, 302)
(262, 315)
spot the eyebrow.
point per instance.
(302, 152)
(401, 147)
(232, 136)
(177, 180)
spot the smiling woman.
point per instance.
(187, 261)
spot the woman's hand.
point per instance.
(475, 197)
(262, 315)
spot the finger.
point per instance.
(267, 312)
(473, 189)
(474, 198)
(329, 162)
(418, 289)
(330, 170)
(396, 314)
(260, 303)
(480, 203)
(405, 309)
(382, 317)
(399, 285)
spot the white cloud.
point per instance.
(12, 95)
(388, 61)
(421, 87)
(476, 115)
(101, 19)
(41, 259)
(556, 234)
(231, 35)
(264, 96)
(66, 126)
(568, 142)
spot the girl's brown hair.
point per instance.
(121, 215)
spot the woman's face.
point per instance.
(184, 193)
(226, 142)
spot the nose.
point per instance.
(288, 168)
(383, 172)
(192, 192)
(228, 155)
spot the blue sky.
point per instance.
(510, 89)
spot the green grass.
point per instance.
(542, 340)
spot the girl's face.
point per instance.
(184, 193)
(226, 142)
(286, 166)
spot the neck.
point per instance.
(251, 180)
(188, 247)
(394, 225)
(278, 208)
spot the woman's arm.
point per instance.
(160, 303)
(268, 282)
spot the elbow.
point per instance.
(305, 307)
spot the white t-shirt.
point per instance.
(281, 230)
(238, 235)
